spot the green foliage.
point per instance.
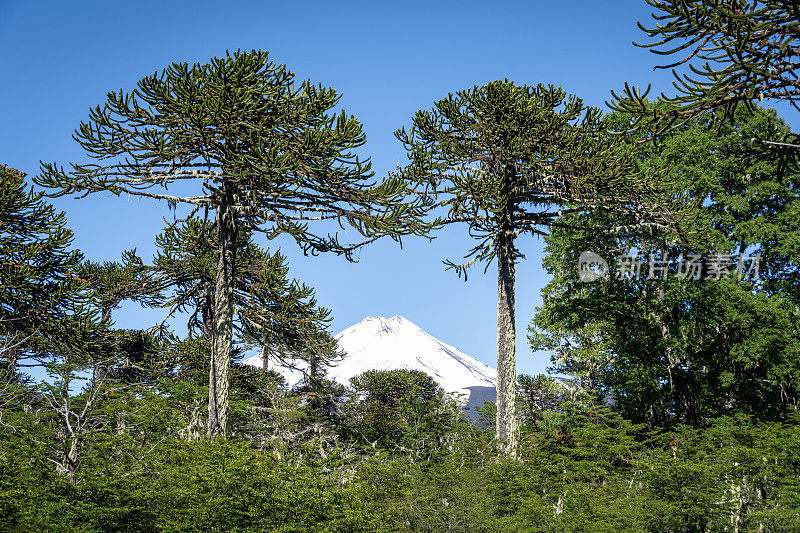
(403, 410)
(503, 157)
(702, 434)
(112, 283)
(266, 153)
(540, 395)
(273, 313)
(507, 160)
(579, 469)
(678, 348)
(42, 296)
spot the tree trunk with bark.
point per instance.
(69, 467)
(222, 333)
(506, 344)
(207, 314)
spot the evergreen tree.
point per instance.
(42, 294)
(732, 52)
(402, 410)
(112, 283)
(272, 313)
(508, 160)
(49, 298)
(265, 153)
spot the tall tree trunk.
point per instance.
(222, 334)
(207, 313)
(506, 344)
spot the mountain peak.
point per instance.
(381, 324)
(380, 343)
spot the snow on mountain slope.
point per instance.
(378, 343)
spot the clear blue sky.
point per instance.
(389, 60)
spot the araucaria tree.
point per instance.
(272, 312)
(508, 160)
(722, 53)
(264, 151)
(42, 295)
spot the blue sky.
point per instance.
(389, 60)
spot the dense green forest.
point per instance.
(671, 230)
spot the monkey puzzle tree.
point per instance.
(48, 320)
(508, 160)
(264, 151)
(271, 311)
(42, 294)
(733, 52)
(113, 283)
(397, 409)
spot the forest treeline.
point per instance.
(671, 235)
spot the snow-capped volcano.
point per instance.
(378, 343)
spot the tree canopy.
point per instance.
(725, 53)
(43, 297)
(669, 343)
